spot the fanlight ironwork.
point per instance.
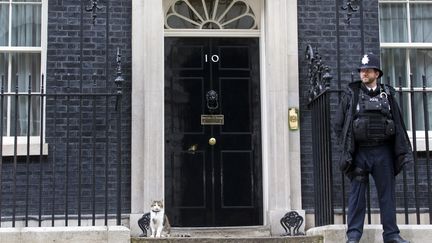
(210, 14)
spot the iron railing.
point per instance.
(413, 195)
(79, 176)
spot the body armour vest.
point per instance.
(373, 122)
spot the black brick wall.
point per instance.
(97, 50)
(318, 25)
(81, 57)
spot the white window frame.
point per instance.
(9, 141)
(420, 134)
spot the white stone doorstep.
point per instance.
(72, 234)
(373, 233)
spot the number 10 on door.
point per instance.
(211, 58)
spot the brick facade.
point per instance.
(323, 25)
(79, 50)
(341, 46)
(71, 40)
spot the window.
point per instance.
(22, 61)
(406, 48)
(212, 17)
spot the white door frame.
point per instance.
(279, 92)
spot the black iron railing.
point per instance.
(76, 171)
(319, 80)
(414, 186)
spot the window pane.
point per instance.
(20, 119)
(34, 1)
(188, 16)
(4, 70)
(421, 65)
(404, 105)
(393, 23)
(246, 22)
(421, 22)
(4, 24)
(4, 114)
(394, 66)
(229, 20)
(418, 110)
(4, 77)
(421, 61)
(23, 65)
(429, 110)
(26, 25)
(198, 6)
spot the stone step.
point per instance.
(293, 239)
(221, 232)
(253, 234)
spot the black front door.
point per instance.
(213, 165)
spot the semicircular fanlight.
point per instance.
(210, 14)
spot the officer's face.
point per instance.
(369, 75)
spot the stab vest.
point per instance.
(373, 123)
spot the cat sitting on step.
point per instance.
(158, 220)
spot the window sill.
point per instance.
(21, 149)
(420, 140)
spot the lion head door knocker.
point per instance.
(212, 101)
(213, 117)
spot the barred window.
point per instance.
(406, 50)
(22, 58)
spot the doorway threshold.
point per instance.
(222, 232)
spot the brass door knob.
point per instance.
(212, 141)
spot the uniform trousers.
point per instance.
(378, 161)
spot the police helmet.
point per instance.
(370, 60)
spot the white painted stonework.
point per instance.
(70, 234)
(373, 233)
(279, 92)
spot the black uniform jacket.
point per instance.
(342, 126)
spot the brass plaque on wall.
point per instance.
(212, 119)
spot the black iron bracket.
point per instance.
(292, 222)
(144, 224)
(119, 81)
(351, 7)
(94, 8)
(318, 73)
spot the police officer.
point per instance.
(373, 141)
